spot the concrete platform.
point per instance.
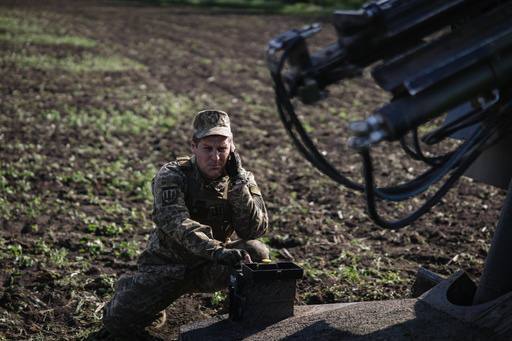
(408, 319)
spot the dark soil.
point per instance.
(79, 144)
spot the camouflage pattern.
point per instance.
(211, 122)
(194, 217)
(139, 297)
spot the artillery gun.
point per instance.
(435, 58)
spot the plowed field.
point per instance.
(95, 96)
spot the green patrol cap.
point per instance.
(211, 122)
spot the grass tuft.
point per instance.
(13, 24)
(85, 63)
(46, 39)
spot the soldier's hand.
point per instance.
(230, 257)
(247, 258)
(234, 165)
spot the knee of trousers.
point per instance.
(256, 249)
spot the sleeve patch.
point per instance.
(169, 195)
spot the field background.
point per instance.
(96, 95)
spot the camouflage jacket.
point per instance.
(195, 216)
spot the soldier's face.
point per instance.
(211, 154)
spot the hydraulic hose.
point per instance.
(478, 141)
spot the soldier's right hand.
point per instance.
(230, 257)
(234, 165)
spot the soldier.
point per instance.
(199, 202)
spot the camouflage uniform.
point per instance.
(194, 217)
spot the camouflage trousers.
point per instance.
(140, 296)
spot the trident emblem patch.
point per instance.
(169, 195)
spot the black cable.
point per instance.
(450, 163)
(418, 155)
(436, 136)
(305, 145)
(461, 123)
(428, 160)
(397, 224)
(480, 140)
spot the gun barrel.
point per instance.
(407, 113)
(383, 29)
(469, 44)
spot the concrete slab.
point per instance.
(408, 319)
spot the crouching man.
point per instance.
(199, 202)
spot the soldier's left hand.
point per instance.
(230, 257)
(234, 165)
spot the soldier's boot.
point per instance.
(159, 322)
(256, 249)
